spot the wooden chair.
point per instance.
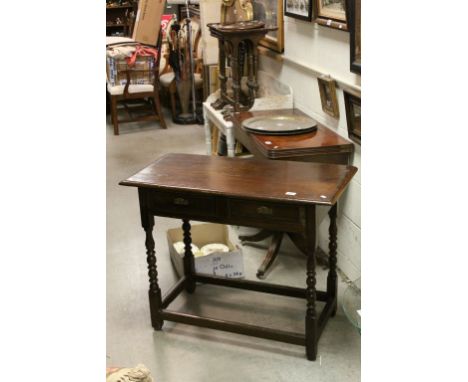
(147, 94)
(167, 76)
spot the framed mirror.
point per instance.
(353, 116)
(271, 13)
(354, 26)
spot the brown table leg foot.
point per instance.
(155, 310)
(262, 235)
(271, 254)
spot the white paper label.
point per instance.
(225, 264)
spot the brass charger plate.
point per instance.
(243, 25)
(280, 125)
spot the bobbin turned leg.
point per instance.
(332, 279)
(154, 292)
(189, 261)
(311, 314)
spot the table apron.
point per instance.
(283, 226)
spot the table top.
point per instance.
(251, 178)
(323, 140)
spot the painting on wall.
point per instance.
(299, 9)
(353, 116)
(328, 98)
(354, 24)
(271, 13)
(332, 13)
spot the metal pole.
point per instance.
(192, 68)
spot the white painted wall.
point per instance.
(325, 50)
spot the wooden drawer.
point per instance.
(265, 211)
(181, 203)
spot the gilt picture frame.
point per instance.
(332, 14)
(271, 13)
(353, 116)
(354, 25)
(327, 89)
(298, 9)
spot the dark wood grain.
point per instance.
(154, 292)
(189, 262)
(313, 183)
(311, 320)
(243, 192)
(332, 279)
(235, 327)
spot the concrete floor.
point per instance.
(180, 352)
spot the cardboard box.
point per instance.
(148, 21)
(227, 264)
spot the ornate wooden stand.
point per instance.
(238, 44)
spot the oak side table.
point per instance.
(242, 192)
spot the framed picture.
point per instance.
(271, 13)
(354, 25)
(327, 90)
(332, 13)
(353, 116)
(299, 9)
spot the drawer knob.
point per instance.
(181, 202)
(265, 210)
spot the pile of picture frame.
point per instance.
(344, 15)
(328, 98)
(330, 13)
